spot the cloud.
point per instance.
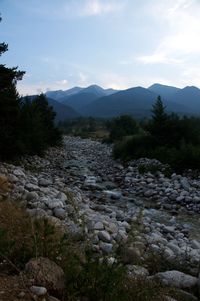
(99, 7)
(26, 88)
(83, 79)
(183, 31)
(79, 8)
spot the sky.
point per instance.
(113, 43)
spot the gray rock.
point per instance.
(38, 290)
(62, 197)
(44, 182)
(19, 173)
(184, 183)
(47, 273)
(54, 203)
(98, 226)
(176, 279)
(59, 213)
(115, 195)
(195, 244)
(104, 236)
(31, 187)
(107, 248)
(137, 271)
(31, 196)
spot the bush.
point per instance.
(122, 126)
(22, 238)
(134, 148)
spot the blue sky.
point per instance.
(112, 43)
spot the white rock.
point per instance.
(38, 290)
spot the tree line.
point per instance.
(169, 138)
(26, 126)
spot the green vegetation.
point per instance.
(85, 127)
(167, 137)
(27, 127)
(121, 127)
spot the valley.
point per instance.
(82, 189)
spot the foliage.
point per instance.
(37, 127)
(85, 127)
(22, 238)
(122, 126)
(9, 108)
(166, 137)
(25, 127)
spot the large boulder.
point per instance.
(176, 279)
(46, 273)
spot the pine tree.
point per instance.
(9, 109)
(158, 126)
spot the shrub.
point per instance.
(22, 238)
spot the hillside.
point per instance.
(163, 90)
(63, 112)
(135, 101)
(57, 95)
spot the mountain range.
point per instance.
(98, 102)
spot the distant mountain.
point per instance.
(79, 100)
(60, 93)
(134, 101)
(98, 102)
(190, 97)
(163, 90)
(63, 112)
(62, 96)
(94, 89)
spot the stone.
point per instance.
(114, 195)
(21, 295)
(32, 195)
(177, 279)
(130, 255)
(44, 182)
(195, 244)
(137, 271)
(47, 273)
(62, 197)
(106, 247)
(185, 184)
(59, 213)
(31, 187)
(98, 226)
(19, 173)
(104, 236)
(54, 203)
(38, 290)
(51, 298)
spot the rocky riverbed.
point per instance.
(82, 188)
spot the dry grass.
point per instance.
(5, 185)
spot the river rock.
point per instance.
(38, 290)
(46, 273)
(104, 236)
(177, 279)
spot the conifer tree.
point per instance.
(9, 108)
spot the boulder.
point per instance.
(47, 273)
(59, 213)
(176, 279)
(104, 236)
